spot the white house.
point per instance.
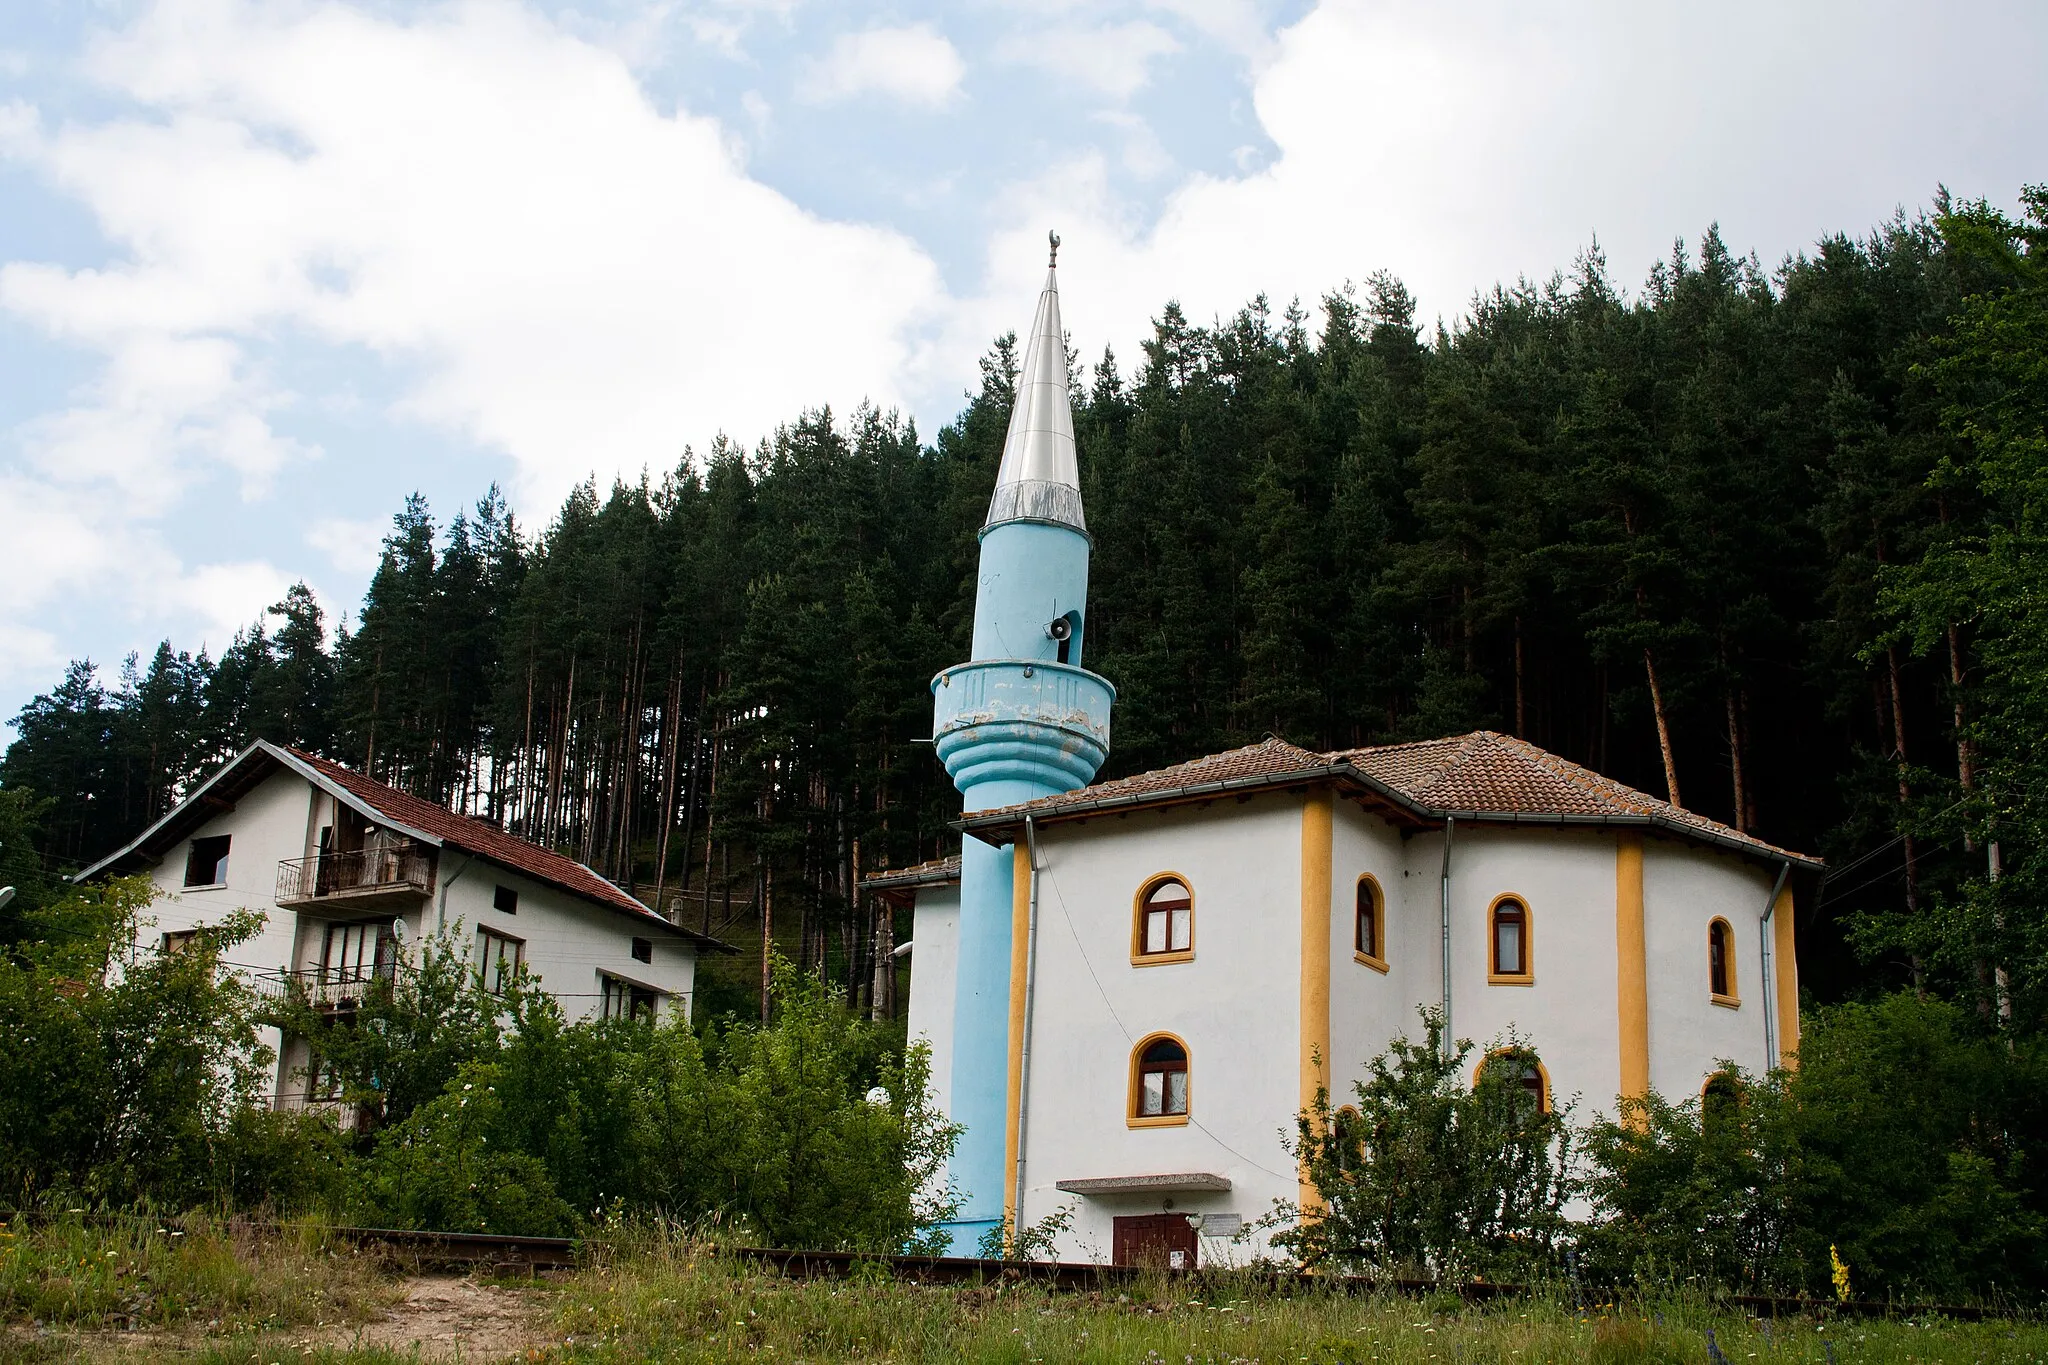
(346, 870)
(1191, 940)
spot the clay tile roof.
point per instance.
(1480, 776)
(936, 872)
(488, 841)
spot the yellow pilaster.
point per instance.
(1317, 818)
(1632, 974)
(1020, 954)
(1785, 951)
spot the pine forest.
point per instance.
(1766, 541)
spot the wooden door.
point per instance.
(1150, 1239)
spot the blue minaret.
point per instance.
(1021, 721)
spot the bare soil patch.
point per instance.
(444, 1316)
(439, 1318)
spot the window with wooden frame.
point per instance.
(628, 999)
(498, 958)
(1369, 925)
(1159, 1082)
(206, 862)
(1508, 960)
(1163, 922)
(1721, 964)
(176, 941)
(1520, 1068)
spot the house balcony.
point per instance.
(367, 879)
(324, 988)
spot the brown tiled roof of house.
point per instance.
(1483, 776)
(485, 841)
(934, 872)
(900, 884)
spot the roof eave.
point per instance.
(988, 827)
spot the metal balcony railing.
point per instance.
(324, 987)
(367, 874)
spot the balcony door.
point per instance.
(362, 951)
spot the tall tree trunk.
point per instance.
(1891, 659)
(1663, 731)
(672, 715)
(1521, 707)
(766, 884)
(1735, 764)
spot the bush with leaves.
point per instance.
(1910, 1141)
(1426, 1176)
(132, 1073)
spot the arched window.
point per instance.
(1164, 924)
(1720, 1097)
(1159, 1082)
(1520, 1068)
(1508, 942)
(1369, 940)
(1721, 963)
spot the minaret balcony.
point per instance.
(1022, 720)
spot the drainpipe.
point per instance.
(441, 909)
(1763, 939)
(1450, 827)
(1024, 1049)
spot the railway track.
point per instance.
(506, 1254)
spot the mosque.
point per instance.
(1130, 988)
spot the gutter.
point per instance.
(1450, 828)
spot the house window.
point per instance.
(1369, 943)
(207, 863)
(643, 950)
(1721, 963)
(498, 959)
(1159, 1081)
(1165, 927)
(358, 952)
(178, 940)
(625, 1000)
(1508, 943)
(505, 900)
(1523, 1070)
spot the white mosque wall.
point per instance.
(1568, 1013)
(1684, 889)
(934, 964)
(1235, 1004)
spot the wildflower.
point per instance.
(1841, 1273)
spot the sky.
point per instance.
(266, 268)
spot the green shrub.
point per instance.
(1427, 1176)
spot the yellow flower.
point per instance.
(1841, 1269)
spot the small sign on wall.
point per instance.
(1222, 1224)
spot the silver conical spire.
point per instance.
(1040, 479)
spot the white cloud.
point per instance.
(354, 547)
(1460, 146)
(915, 64)
(549, 267)
(225, 598)
(1111, 59)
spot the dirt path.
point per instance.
(443, 1316)
(439, 1318)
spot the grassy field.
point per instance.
(130, 1291)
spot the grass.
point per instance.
(680, 1305)
(125, 1273)
(244, 1298)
